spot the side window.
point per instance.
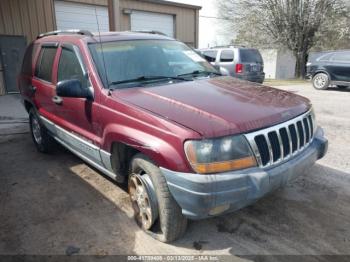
(43, 69)
(210, 56)
(326, 57)
(226, 56)
(69, 67)
(343, 57)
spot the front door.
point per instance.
(12, 49)
(76, 116)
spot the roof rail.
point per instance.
(228, 46)
(154, 32)
(63, 32)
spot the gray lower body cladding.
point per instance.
(198, 194)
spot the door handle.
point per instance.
(57, 100)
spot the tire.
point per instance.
(40, 135)
(321, 81)
(169, 224)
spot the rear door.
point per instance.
(339, 66)
(43, 82)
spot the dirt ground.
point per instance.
(56, 204)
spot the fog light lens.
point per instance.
(219, 209)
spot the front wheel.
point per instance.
(155, 210)
(321, 81)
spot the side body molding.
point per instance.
(87, 151)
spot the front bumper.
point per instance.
(198, 194)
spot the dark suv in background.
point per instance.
(240, 62)
(329, 68)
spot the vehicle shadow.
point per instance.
(49, 207)
(334, 88)
(308, 217)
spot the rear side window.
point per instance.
(250, 56)
(28, 59)
(43, 69)
(343, 57)
(210, 55)
(226, 56)
(69, 66)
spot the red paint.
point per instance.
(239, 68)
(158, 120)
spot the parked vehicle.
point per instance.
(330, 68)
(240, 62)
(147, 110)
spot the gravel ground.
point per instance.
(56, 204)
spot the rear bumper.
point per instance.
(202, 196)
(252, 78)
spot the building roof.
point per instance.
(165, 2)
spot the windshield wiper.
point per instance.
(148, 78)
(200, 72)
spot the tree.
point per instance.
(294, 24)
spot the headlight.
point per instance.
(219, 155)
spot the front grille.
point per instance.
(280, 142)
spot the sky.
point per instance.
(211, 31)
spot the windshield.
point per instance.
(140, 60)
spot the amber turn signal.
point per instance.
(231, 165)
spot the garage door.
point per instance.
(149, 21)
(81, 16)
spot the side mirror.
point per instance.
(73, 88)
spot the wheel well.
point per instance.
(121, 155)
(321, 71)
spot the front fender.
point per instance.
(166, 151)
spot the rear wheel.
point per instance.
(321, 81)
(155, 210)
(41, 138)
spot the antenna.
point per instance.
(103, 54)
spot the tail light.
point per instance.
(239, 68)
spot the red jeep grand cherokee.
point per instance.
(147, 110)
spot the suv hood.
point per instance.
(217, 106)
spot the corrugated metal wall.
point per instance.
(32, 17)
(29, 18)
(185, 18)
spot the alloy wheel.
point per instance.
(143, 200)
(320, 81)
(36, 129)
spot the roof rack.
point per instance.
(149, 32)
(65, 32)
(228, 46)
